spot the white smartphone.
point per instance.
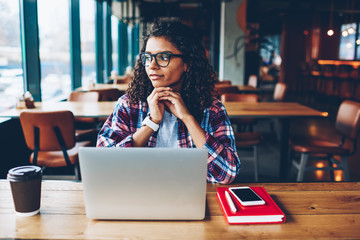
(246, 196)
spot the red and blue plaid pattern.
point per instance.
(223, 161)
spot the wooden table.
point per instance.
(99, 86)
(284, 111)
(313, 211)
(79, 109)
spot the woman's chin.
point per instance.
(175, 86)
(157, 84)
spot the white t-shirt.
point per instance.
(167, 133)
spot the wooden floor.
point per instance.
(268, 149)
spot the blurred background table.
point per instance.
(79, 109)
(284, 111)
(100, 86)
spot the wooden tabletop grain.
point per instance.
(313, 211)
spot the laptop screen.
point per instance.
(144, 183)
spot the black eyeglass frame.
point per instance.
(154, 56)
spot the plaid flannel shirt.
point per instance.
(223, 161)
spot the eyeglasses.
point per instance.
(162, 59)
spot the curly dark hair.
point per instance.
(198, 82)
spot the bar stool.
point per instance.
(313, 148)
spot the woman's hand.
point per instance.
(156, 106)
(175, 103)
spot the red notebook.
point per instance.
(267, 213)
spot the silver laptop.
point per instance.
(144, 183)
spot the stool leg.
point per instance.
(303, 162)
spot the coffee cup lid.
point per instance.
(24, 173)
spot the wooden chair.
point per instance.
(123, 79)
(245, 139)
(51, 137)
(243, 124)
(347, 125)
(84, 96)
(85, 128)
(222, 89)
(110, 94)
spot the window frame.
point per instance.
(128, 45)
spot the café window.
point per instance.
(54, 49)
(349, 41)
(11, 73)
(87, 29)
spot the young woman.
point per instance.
(170, 102)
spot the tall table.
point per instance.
(313, 211)
(284, 111)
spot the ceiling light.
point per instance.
(351, 30)
(330, 32)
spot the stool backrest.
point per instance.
(348, 119)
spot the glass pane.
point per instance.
(347, 41)
(11, 73)
(87, 26)
(53, 17)
(114, 37)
